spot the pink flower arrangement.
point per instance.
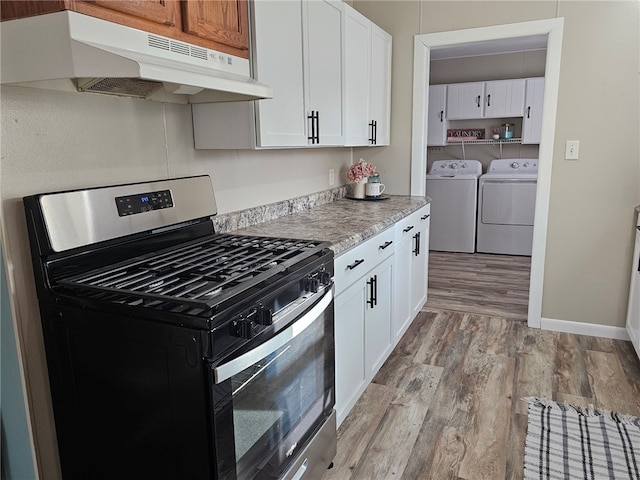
(360, 171)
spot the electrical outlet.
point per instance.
(332, 177)
(572, 150)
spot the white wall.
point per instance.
(55, 140)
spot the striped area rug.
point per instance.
(566, 442)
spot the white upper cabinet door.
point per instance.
(465, 100)
(357, 52)
(532, 120)
(504, 98)
(381, 47)
(323, 56)
(281, 121)
(436, 122)
(367, 81)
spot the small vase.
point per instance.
(358, 189)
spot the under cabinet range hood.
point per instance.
(105, 57)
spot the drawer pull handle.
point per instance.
(355, 264)
(410, 227)
(386, 244)
(424, 217)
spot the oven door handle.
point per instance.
(227, 370)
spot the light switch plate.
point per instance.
(572, 150)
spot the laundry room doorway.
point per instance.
(423, 47)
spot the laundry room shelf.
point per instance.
(488, 141)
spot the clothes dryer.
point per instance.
(452, 186)
(506, 206)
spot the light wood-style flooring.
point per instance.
(489, 284)
(446, 404)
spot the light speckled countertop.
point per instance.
(344, 222)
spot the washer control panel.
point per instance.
(514, 165)
(451, 168)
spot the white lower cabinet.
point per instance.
(363, 313)
(411, 262)
(381, 285)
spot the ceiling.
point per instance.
(490, 47)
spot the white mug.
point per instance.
(374, 189)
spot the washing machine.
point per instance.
(506, 206)
(452, 186)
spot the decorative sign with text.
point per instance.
(465, 134)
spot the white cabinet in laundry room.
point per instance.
(532, 119)
(492, 99)
(437, 122)
(504, 98)
(464, 100)
(367, 52)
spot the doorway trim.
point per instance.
(423, 44)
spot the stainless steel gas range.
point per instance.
(175, 352)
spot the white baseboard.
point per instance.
(579, 328)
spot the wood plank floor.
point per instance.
(489, 284)
(447, 402)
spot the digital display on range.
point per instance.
(143, 202)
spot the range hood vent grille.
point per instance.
(128, 87)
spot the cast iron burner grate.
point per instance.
(198, 273)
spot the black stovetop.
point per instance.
(199, 274)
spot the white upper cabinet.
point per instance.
(324, 65)
(465, 100)
(495, 99)
(286, 42)
(504, 98)
(436, 121)
(367, 53)
(297, 52)
(380, 100)
(532, 120)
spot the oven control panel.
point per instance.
(143, 202)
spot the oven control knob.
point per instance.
(325, 278)
(515, 165)
(264, 316)
(242, 328)
(314, 284)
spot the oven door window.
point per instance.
(268, 411)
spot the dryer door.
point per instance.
(508, 201)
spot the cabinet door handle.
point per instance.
(315, 127)
(529, 112)
(374, 132)
(489, 100)
(355, 264)
(424, 217)
(416, 238)
(386, 244)
(441, 115)
(373, 291)
(410, 227)
(478, 101)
